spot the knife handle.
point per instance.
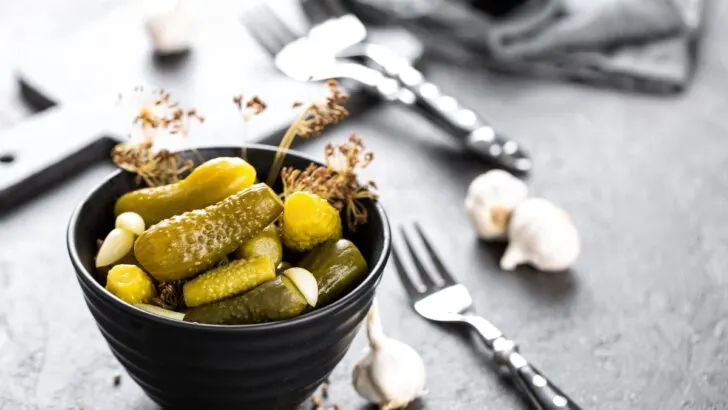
(540, 391)
(478, 136)
(48, 148)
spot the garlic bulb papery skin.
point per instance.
(391, 374)
(491, 199)
(542, 235)
(171, 30)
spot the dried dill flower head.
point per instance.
(169, 295)
(154, 168)
(318, 116)
(167, 115)
(337, 180)
(253, 106)
(310, 123)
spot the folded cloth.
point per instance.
(644, 45)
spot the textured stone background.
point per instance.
(640, 323)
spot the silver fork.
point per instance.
(315, 57)
(442, 299)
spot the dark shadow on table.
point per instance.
(548, 287)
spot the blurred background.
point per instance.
(84, 57)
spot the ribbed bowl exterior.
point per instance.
(189, 365)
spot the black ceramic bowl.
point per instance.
(189, 365)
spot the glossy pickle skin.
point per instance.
(309, 220)
(228, 280)
(169, 314)
(130, 284)
(103, 271)
(184, 245)
(274, 300)
(207, 184)
(267, 243)
(337, 265)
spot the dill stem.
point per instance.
(286, 142)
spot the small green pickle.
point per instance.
(184, 245)
(337, 266)
(228, 280)
(274, 300)
(171, 314)
(282, 267)
(103, 272)
(267, 243)
(207, 184)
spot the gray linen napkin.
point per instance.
(644, 45)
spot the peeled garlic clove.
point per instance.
(305, 282)
(491, 198)
(131, 221)
(117, 244)
(391, 374)
(541, 234)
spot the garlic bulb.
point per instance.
(490, 201)
(170, 30)
(391, 373)
(542, 235)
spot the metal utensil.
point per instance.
(442, 299)
(314, 57)
(479, 136)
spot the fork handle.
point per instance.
(540, 391)
(543, 394)
(478, 136)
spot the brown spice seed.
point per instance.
(256, 104)
(117, 380)
(238, 101)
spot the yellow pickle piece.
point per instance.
(267, 243)
(207, 184)
(183, 245)
(309, 220)
(228, 280)
(130, 284)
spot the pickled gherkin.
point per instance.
(309, 220)
(228, 280)
(170, 314)
(282, 267)
(207, 184)
(267, 243)
(337, 266)
(183, 245)
(130, 284)
(276, 299)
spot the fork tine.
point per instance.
(404, 276)
(422, 270)
(268, 28)
(446, 276)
